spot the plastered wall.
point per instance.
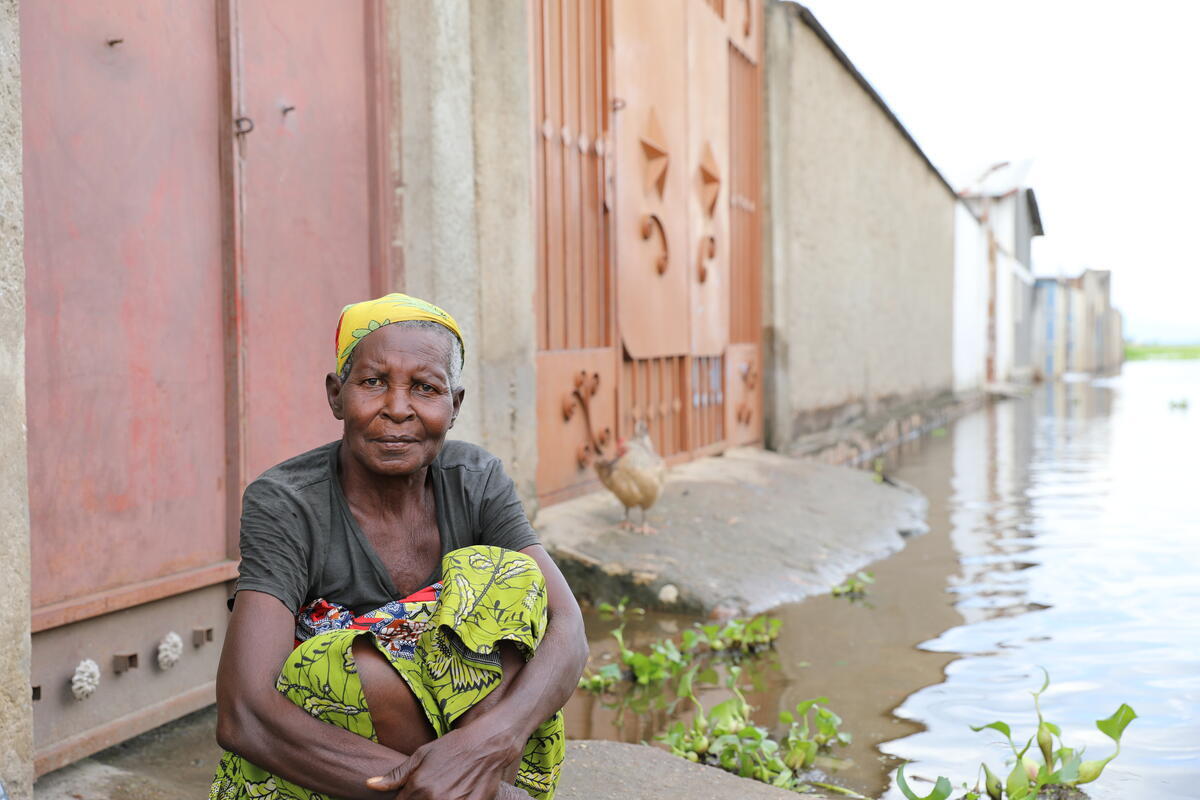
(462, 111)
(16, 734)
(860, 246)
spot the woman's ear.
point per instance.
(333, 393)
(459, 394)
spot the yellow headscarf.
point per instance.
(359, 319)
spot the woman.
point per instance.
(392, 596)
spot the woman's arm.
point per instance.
(468, 762)
(258, 723)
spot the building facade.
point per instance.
(861, 232)
(744, 250)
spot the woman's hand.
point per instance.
(468, 763)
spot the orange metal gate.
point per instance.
(648, 151)
(202, 197)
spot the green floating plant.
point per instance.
(724, 736)
(941, 789)
(1059, 766)
(854, 587)
(664, 660)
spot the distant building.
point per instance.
(1076, 328)
(1008, 217)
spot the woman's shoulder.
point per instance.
(297, 473)
(459, 455)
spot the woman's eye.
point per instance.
(372, 382)
(425, 387)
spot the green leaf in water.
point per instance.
(941, 789)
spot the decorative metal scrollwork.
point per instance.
(658, 157)
(650, 223)
(710, 181)
(708, 251)
(586, 386)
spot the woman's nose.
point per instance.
(396, 403)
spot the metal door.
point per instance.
(304, 200)
(677, 257)
(203, 191)
(577, 357)
(125, 381)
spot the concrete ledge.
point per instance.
(599, 770)
(737, 534)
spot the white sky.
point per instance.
(1103, 96)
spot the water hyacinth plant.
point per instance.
(666, 661)
(1059, 766)
(725, 737)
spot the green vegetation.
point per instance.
(854, 587)
(1060, 766)
(665, 660)
(1143, 352)
(725, 737)
(941, 789)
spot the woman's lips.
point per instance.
(396, 442)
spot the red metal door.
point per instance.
(125, 380)
(204, 191)
(306, 221)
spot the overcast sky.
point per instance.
(1104, 97)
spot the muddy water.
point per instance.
(1065, 533)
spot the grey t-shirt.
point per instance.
(300, 542)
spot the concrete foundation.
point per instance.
(16, 718)
(736, 534)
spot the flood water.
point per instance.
(1065, 534)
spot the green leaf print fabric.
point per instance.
(446, 652)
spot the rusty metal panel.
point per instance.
(743, 404)
(124, 370)
(571, 100)
(650, 39)
(745, 21)
(708, 180)
(745, 150)
(305, 202)
(136, 699)
(565, 454)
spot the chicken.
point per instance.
(635, 474)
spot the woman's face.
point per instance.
(396, 404)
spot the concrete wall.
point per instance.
(466, 181)
(16, 715)
(970, 301)
(860, 246)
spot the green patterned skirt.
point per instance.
(443, 642)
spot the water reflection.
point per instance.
(1064, 532)
(1076, 520)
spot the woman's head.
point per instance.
(397, 388)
